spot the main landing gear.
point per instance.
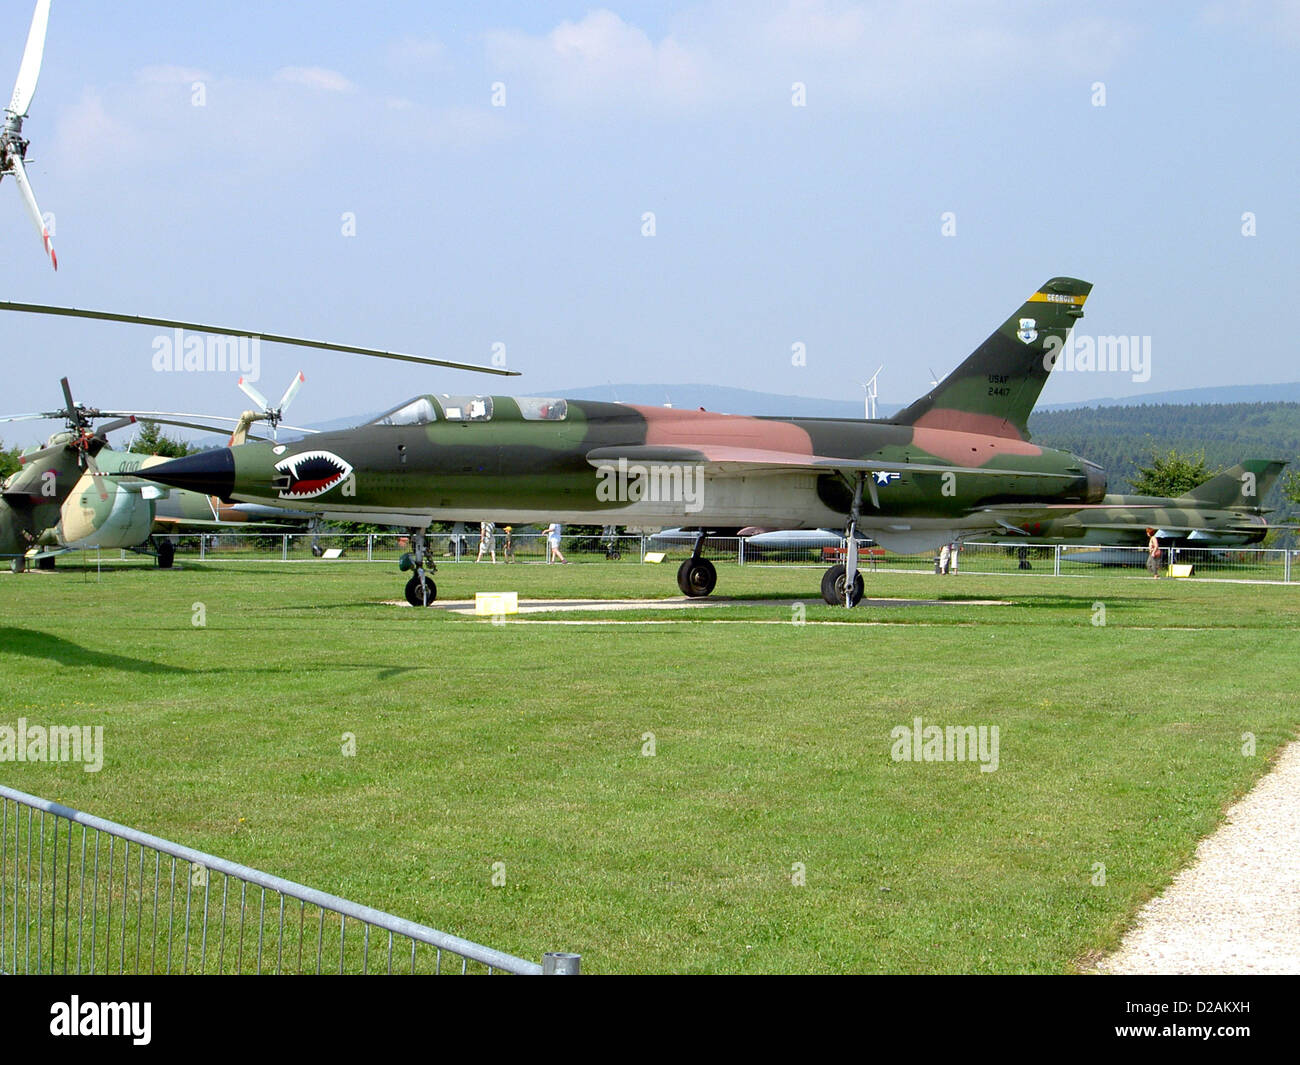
(420, 589)
(696, 577)
(843, 585)
(834, 584)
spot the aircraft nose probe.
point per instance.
(211, 473)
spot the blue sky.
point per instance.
(774, 224)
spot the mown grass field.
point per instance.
(523, 742)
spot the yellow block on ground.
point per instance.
(1180, 569)
(655, 556)
(488, 604)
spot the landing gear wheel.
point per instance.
(17, 565)
(166, 554)
(316, 549)
(45, 563)
(421, 597)
(833, 586)
(696, 577)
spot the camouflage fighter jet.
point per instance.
(1225, 511)
(956, 462)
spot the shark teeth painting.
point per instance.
(310, 474)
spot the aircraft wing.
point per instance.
(726, 459)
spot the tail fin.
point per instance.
(995, 389)
(1245, 485)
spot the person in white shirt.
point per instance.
(553, 553)
(487, 540)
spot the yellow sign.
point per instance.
(490, 604)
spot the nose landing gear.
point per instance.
(834, 582)
(696, 577)
(420, 589)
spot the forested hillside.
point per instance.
(1122, 438)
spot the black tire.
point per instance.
(317, 550)
(414, 595)
(696, 577)
(835, 573)
(166, 554)
(833, 586)
(45, 563)
(17, 565)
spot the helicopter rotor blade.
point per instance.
(253, 394)
(290, 392)
(271, 338)
(96, 476)
(70, 408)
(34, 212)
(115, 424)
(30, 70)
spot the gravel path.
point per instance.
(1236, 909)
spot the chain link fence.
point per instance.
(1244, 563)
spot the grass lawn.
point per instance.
(769, 831)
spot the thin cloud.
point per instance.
(725, 53)
(315, 78)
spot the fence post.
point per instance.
(203, 546)
(643, 547)
(370, 547)
(740, 551)
(557, 963)
(1056, 561)
(284, 547)
(1286, 564)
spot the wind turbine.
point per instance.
(872, 392)
(13, 148)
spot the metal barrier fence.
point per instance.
(1245, 563)
(106, 899)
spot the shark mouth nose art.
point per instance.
(309, 474)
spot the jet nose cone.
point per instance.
(209, 472)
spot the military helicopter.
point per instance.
(13, 147)
(956, 462)
(75, 492)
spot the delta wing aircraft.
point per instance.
(1225, 511)
(956, 462)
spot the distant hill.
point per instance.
(1220, 394)
(725, 400)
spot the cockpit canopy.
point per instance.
(417, 411)
(534, 409)
(425, 409)
(467, 408)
